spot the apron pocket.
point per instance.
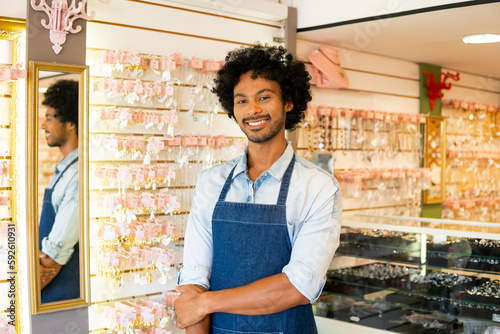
(217, 330)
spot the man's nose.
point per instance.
(254, 107)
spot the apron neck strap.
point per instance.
(65, 169)
(227, 184)
(285, 184)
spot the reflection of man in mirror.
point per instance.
(59, 220)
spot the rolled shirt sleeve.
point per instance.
(198, 244)
(65, 233)
(316, 241)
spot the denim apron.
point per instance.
(250, 242)
(66, 285)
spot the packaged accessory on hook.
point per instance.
(327, 69)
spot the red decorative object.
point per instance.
(436, 87)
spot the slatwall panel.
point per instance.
(474, 88)
(163, 28)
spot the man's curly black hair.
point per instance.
(272, 63)
(63, 97)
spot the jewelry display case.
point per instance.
(415, 275)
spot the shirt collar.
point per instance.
(67, 160)
(277, 170)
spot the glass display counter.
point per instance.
(415, 275)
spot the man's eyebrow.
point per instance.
(259, 92)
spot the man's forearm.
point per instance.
(48, 270)
(266, 296)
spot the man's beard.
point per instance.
(258, 138)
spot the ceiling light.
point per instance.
(481, 38)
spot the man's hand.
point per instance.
(48, 269)
(203, 327)
(189, 305)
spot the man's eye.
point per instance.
(240, 101)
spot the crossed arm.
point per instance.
(48, 269)
(265, 296)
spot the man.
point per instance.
(263, 227)
(59, 221)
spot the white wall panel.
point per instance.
(103, 36)
(378, 83)
(186, 22)
(13, 9)
(474, 88)
(472, 95)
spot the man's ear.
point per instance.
(70, 126)
(288, 106)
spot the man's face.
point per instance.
(259, 108)
(56, 132)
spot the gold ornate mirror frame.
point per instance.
(36, 72)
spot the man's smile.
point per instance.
(256, 123)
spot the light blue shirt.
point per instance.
(65, 232)
(313, 211)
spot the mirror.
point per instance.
(58, 186)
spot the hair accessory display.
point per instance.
(374, 132)
(5, 325)
(386, 145)
(142, 173)
(139, 316)
(11, 72)
(472, 162)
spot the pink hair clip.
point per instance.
(178, 59)
(4, 73)
(173, 117)
(147, 201)
(154, 63)
(132, 201)
(148, 89)
(170, 228)
(195, 63)
(169, 89)
(168, 63)
(170, 297)
(147, 315)
(155, 145)
(17, 73)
